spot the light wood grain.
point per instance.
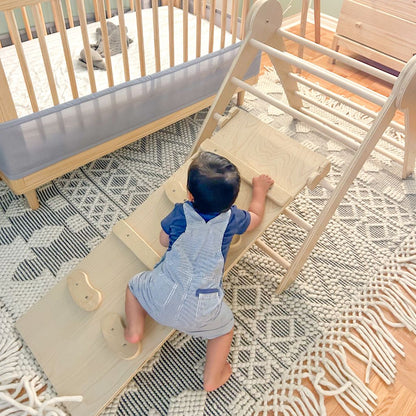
(69, 13)
(373, 29)
(140, 40)
(137, 244)
(123, 38)
(86, 43)
(14, 33)
(60, 22)
(40, 29)
(156, 34)
(104, 33)
(7, 109)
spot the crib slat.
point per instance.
(7, 108)
(244, 12)
(204, 9)
(26, 23)
(132, 5)
(55, 15)
(185, 29)
(42, 18)
(140, 41)
(104, 33)
(65, 45)
(234, 14)
(69, 11)
(85, 40)
(211, 26)
(96, 14)
(223, 22)
(123, 37)
(156, 33)
(198, 27)
(171, 34)
(40, 30)
(108, 7)
(15, 36)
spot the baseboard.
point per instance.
(327, 22)
(291, 21)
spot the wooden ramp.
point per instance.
(67, 340)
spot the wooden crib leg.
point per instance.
(32, 199)
(240, 98)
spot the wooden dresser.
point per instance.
(381, 30)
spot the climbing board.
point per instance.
(64, 330)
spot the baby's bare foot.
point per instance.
(227, 372)
(223, 378)
(131, 336)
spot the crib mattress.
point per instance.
(9, 59)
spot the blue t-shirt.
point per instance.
(174, 224)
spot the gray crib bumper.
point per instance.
(41, 139)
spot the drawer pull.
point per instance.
(358, 24)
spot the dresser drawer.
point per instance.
(404, 9)
(378, 30)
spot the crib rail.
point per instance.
(220, 21)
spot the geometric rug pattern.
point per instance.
(272, 333)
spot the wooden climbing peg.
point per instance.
(175, 191)
(83, 293)
(112, 328)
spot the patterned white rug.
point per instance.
(363, 265)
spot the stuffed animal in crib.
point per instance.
(97, 49)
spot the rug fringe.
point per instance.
(364, 333)
(19, 396)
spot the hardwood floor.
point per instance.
(398, 399)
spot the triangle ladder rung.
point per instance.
(273, 254)
(297, 219)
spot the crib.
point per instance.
(102, 80)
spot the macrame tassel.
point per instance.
(19, 395)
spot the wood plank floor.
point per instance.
(398, 399)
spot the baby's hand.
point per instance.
(262, 182)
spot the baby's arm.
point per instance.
(164, 238)
(261, 185)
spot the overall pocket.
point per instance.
(209, 304)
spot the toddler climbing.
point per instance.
(184, 290)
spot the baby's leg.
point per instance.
(217, 369)
(135, 315)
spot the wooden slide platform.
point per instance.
(63, 329)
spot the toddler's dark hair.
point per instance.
(214, 183)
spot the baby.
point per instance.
(184, 290)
